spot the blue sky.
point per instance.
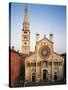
(43, 20)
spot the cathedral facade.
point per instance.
(43, 64)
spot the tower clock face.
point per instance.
(44, 52)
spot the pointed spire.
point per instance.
(26, 19)
(26, 15)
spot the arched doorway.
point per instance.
(45, 75)
(33, 78)
(55, 76)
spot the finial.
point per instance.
(37, 37)
(37, 34)
(44, 36)
(51, 36)
(12, 47)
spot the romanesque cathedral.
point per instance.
(43, 64)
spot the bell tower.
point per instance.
(26, 33)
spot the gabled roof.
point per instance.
(14, 51)
(58, 54)
(30, 55)
(45, 39)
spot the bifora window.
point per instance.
(50, 63)
(39, 63)
(28, 64)
(55, 62)
(25, 37)
(25, 32)
(60, 63)
(33, 64)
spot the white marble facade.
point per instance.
(43, 63)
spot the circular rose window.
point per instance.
(45, 52)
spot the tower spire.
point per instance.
(26, 19)
(26, 15)
(26, 33)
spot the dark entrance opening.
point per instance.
(45, 75)
(55, 76)
(33, 78)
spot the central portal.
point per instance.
(45, 75)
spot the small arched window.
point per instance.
(25, 37)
